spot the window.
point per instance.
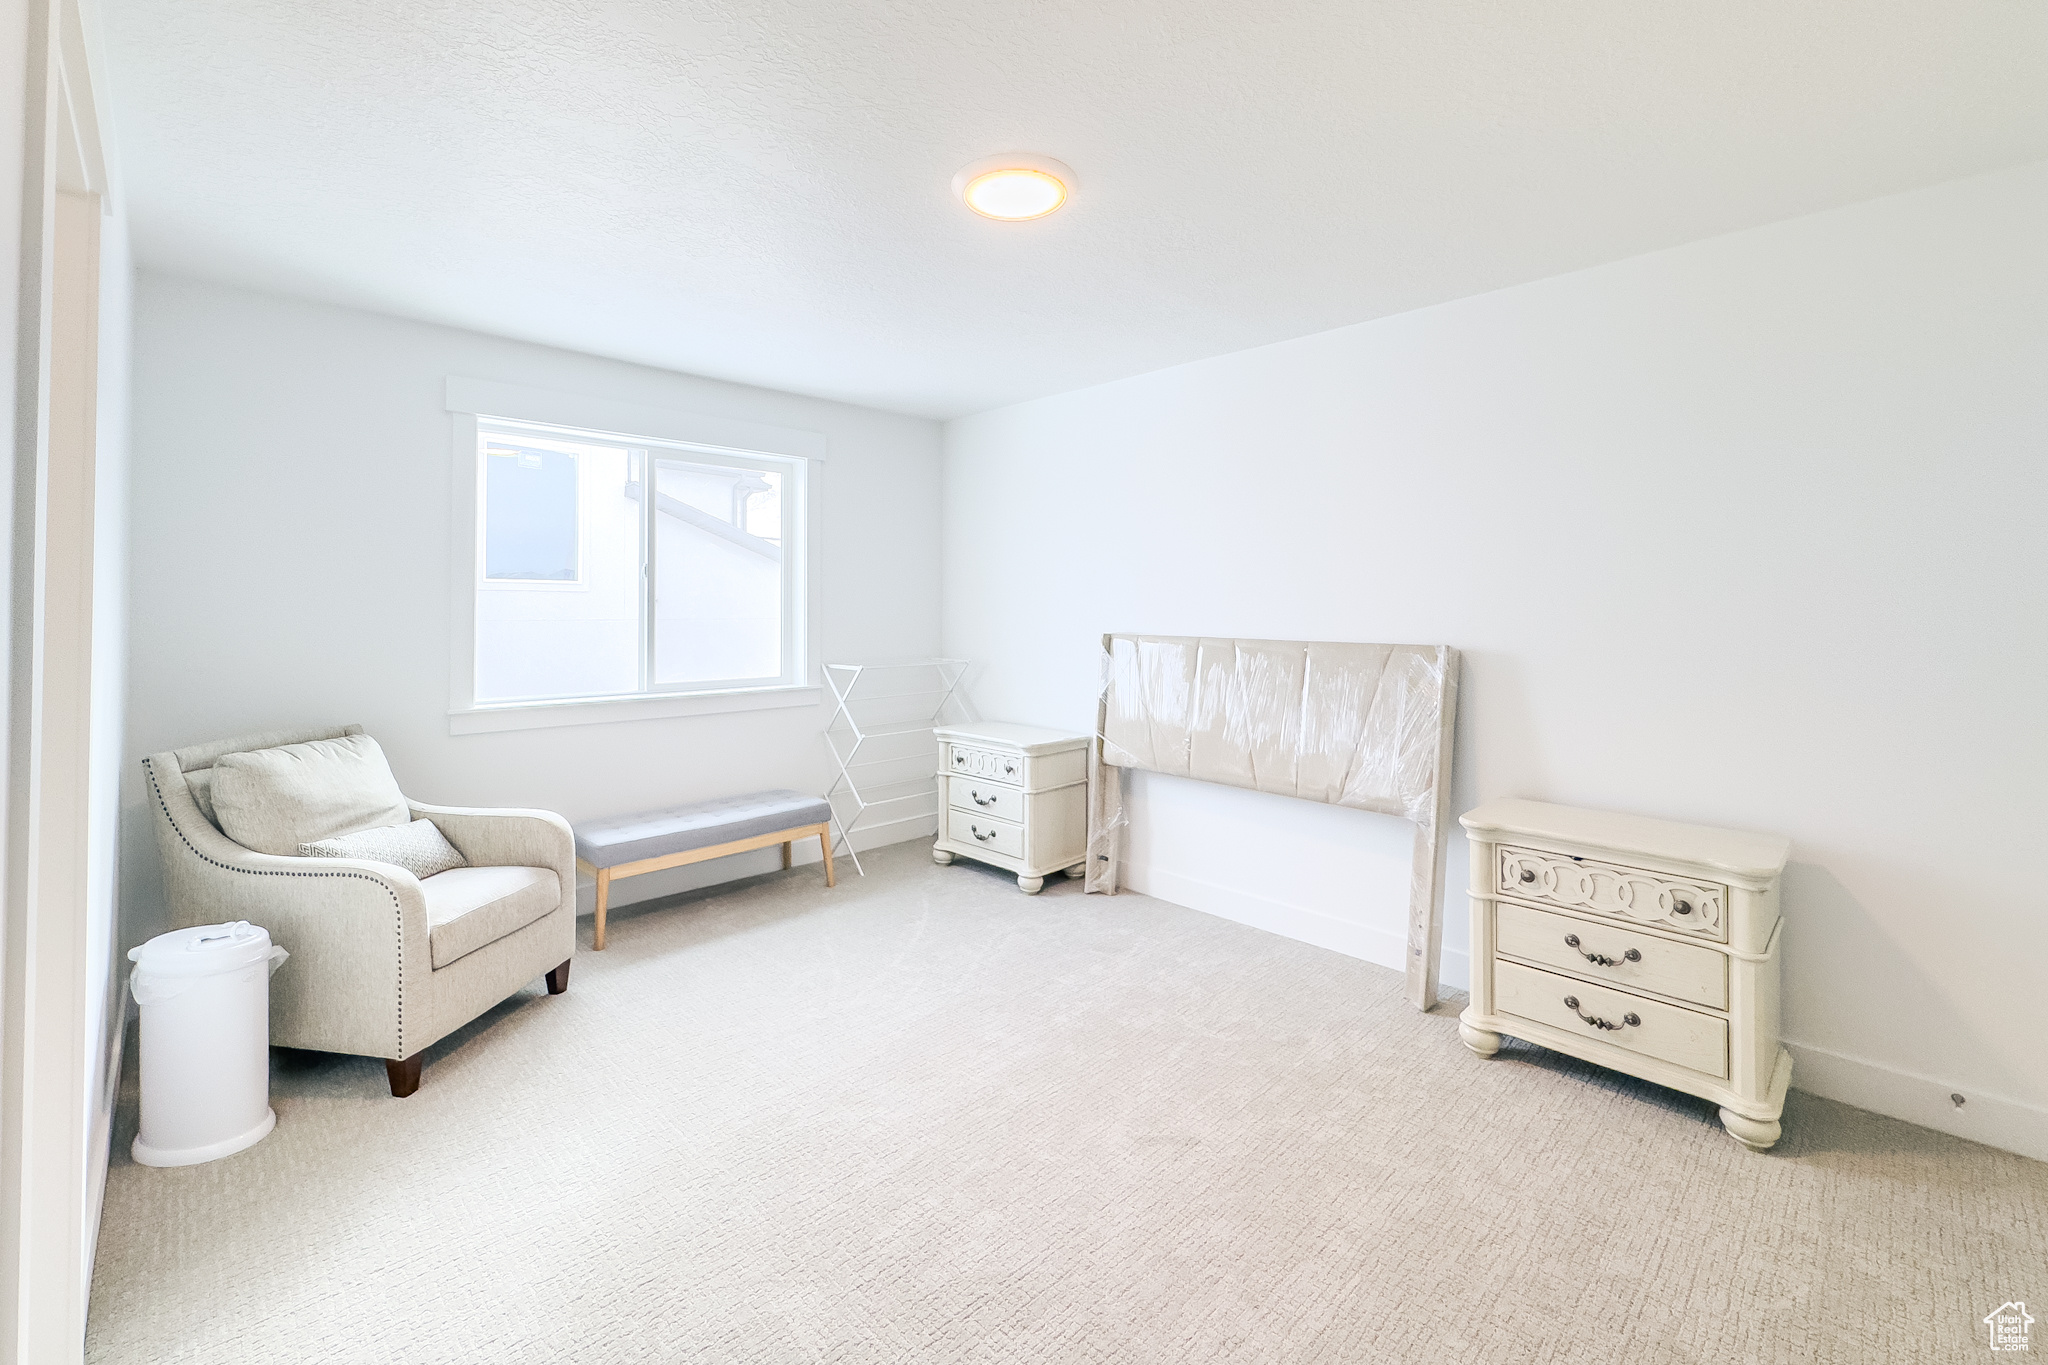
(531, 506)
(611, 567)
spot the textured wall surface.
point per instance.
(759, 189)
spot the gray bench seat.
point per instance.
(649, 841)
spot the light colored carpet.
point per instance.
(925, 1118)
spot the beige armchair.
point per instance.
(383, 963)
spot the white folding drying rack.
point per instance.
(880, 735)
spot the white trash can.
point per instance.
(205, 998)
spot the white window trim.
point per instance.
(541, 715)
(467, 400)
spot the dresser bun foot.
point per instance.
(1078, 870)
(1030, 886)
(1478, 1039)
(1755, 1134)
(941, 857)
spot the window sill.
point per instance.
(541, 715)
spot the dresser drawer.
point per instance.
(1682, 971)
(1628, 893)
(992, 799)
(1683, 1037)
(990, 764)
(978, 831)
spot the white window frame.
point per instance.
(473, 403)
(792, 547)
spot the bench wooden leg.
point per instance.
(404, 1076)
(558, 978)
(787, 846)
(604, 894)
(825, 842)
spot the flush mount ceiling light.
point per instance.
(1014, 186)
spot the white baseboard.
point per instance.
(886, 832)
(1994, 1120)
(1379, 946)
(100, 1134)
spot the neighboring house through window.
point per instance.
(611, 566)
(627, 567)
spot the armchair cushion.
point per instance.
(273, 800)
(471, 907)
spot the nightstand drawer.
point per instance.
(985, 798)
(978, 831)
(1628, 893)
(1604, 952)
(985, 763)
(1683, 1037)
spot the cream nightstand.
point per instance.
(1640, 945)
(1015, 796)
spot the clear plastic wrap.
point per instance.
(1365, 726)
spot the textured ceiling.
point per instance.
(758, 189)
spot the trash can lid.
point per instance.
(203, 950)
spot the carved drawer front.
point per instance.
(985, 798)
(1628, 893)
(1683, 1037)
(986, 763)
(1698, 976)
(978, 831)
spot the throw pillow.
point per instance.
(273, 800)
(200, 784)
(420, 848)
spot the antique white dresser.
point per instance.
(1015, 796)
(1637, 944)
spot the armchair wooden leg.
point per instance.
(404, 1076)
(604, 894)
(558, 979)
(787, 848)
(825, 842)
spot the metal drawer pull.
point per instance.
(979, 835)
(975, 797)
(959, 759)
(1601, 959)
(1528, 874)
(1679, 907)
(1571, 1002)
(1009, 767)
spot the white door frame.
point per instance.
(46, 1037)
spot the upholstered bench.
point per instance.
(628, 845)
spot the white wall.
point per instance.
(290, 562)
(1742, 533)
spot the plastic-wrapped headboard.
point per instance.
(1366, 726)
